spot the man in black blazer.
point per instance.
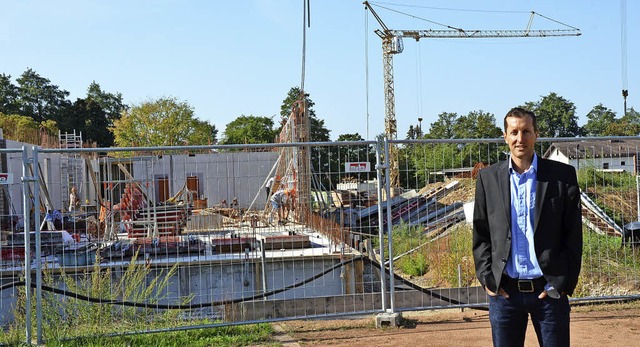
(527, 238)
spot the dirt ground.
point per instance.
(594, 325)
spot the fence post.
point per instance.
(26, 210)
(38, 258)
(389, 226)
(638, 195)
(379, 168)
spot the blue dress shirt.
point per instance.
(522, 262)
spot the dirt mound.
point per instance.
(465, 191)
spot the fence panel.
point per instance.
(432, 241)
(180, 237)
(13, 252)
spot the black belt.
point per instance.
(523, 286)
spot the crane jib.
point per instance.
(418, 34)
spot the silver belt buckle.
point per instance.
(525, 286)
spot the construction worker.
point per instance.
(267, 187)
(279, 203)
(74, 200)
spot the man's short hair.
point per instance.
(519, 112)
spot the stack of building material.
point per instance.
(159, 221)
(168, 245)
(275, 242)
(411, 208)
(232, 244)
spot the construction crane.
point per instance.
(392, 44)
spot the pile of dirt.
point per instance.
(465, 192)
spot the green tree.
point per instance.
(433, 157)
(162, 122)
(39, 99)
(621, 128)
(424, 159)
(443, 127)
(318, 132)
(412, 133)
(94, 115)
(350, 137)
(556, 116)
(8, 95)
(598, 120)
(476, 124)
(354, 152)
(627, 125)
(249, 129)
(632, 116)
(88, 117)
(36, 97)
(110, 103)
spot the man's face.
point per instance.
(521, 137)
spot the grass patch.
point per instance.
(414, 264)
(451, 259)
(607, 267)
(614, 192)
(592, 177)
(245, 335)
(405, 240)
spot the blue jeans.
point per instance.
(509, 318)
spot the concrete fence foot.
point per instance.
(388, 319)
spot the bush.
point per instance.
(414, 264)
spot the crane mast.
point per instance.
(392, 44)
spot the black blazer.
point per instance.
(557, 224)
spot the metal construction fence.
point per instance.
(124, 240)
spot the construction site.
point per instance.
(267, 232)
(161, 203)
(209, 209)
(194, 202)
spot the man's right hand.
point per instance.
(500, 292)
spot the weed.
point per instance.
(65, 316)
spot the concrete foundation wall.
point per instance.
(354, 303)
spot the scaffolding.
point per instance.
(71, 166)
(294, 167)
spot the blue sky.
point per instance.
(233, 58)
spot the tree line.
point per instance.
(556, 117)
(103, 118)
(34, 103)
